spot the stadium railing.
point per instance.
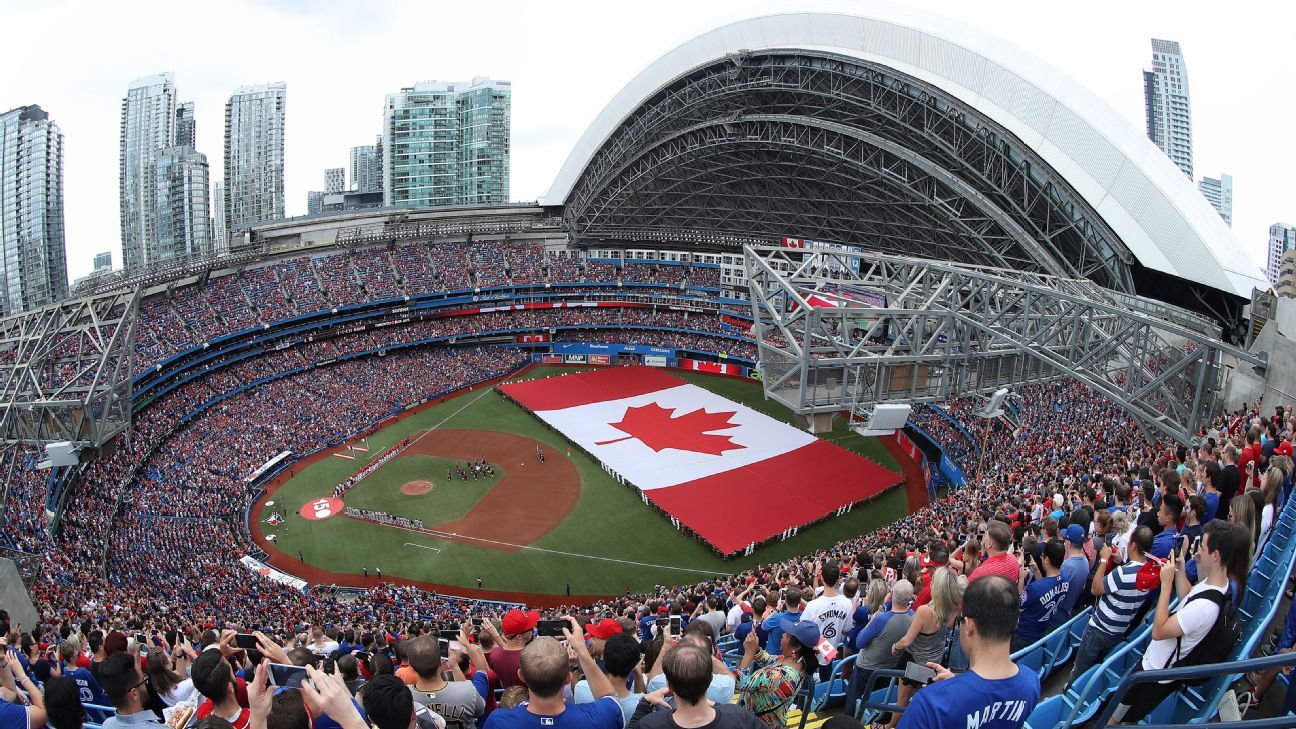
(1212, 671)
(1043, 657)
(1102, 686)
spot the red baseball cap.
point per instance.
(516, 622)
(604, 629)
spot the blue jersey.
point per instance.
(774, 631)
(604, 713)
(1212, 507)
(91, 692)
(1075, 572)
(1040, 602)
(967, 700)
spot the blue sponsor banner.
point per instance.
(577, 348)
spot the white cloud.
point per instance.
(566, 60)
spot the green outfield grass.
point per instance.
(611, 540)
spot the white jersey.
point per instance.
(831, 614)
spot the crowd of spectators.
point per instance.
(187, 316)
(1053, 520)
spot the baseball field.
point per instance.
(526, 528)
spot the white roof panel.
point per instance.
(1144, 198)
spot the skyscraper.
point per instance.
(186, 129)
(366, 171)
(1220, 195)
(148, 122)
(184, 215)
(254, 155)
(1165, 96)
(220, 233)
(447, 144)
(31, 210)
(103, 261)
(314, 202)
(335, 179)
(1282, 238)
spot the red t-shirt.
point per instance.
(1004, 565)
(241, 721)
(506, 664)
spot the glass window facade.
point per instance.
(254, 155)
(31, 210)
(447, 144)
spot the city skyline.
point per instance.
(557, 93)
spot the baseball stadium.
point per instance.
(814, 294)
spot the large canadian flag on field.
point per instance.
(730, 473)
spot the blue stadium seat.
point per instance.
(833, 690)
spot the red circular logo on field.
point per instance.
(321, 509)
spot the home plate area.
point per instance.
(733, 476)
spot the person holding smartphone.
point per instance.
(457, 701)
(993, 689)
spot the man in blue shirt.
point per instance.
(545, 670)
(1168, 519)
(1211, 490)
(1041, 600)
(791, 612)
(994, 693)
(1075, 572)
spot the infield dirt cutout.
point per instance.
(417, 488)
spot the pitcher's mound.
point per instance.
(417, 488)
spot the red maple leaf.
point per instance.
(655, 427)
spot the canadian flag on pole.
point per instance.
(729, 473)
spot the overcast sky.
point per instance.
(566, 60)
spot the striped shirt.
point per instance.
(1116, 608)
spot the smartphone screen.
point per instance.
(246, 641)
(140, 639)
(675, 624)
(919, 673)
(444, 645)
(448, 634)
(551, 628)
(286, 676)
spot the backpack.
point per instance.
(1219, 640)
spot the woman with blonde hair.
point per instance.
(912, 571)
(875, 595)
(1120, 526)
(1242, 511)
(930, 629)
(1272, 489)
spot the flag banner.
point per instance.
(730, 474)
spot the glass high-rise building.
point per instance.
(1219, 193)
(186, 127)
(366, 171)
(447, 143)
(254, 155)
(103, 261)
(31, 210)
(148, 126)
(220, 233)
(184, 215)
(1282, 238)
(1165, 98)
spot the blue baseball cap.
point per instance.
(806, 632)
(1076, 535)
